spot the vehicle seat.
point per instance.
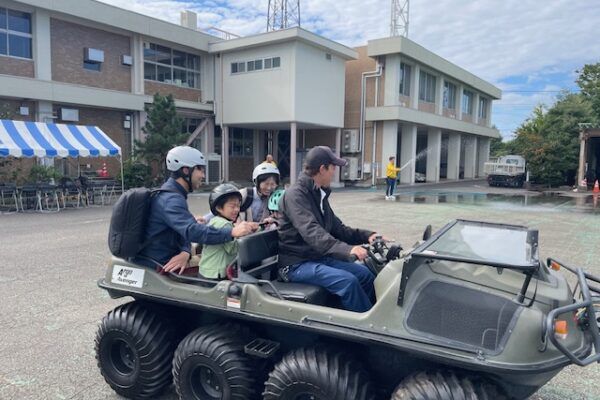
(258, 255)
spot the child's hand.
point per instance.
(244, 228)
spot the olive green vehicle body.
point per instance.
(443, 319)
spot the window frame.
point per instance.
(9, 32)
(241, 138)
(482, 111)
(255, 64)
(446, 103)
(427, 91)
(189, 60)
(405, 77)
(467, 102)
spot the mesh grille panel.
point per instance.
(461, 314)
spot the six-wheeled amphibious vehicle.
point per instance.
(469, 313)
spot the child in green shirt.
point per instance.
(224, 201)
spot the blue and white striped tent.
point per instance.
(38, 139)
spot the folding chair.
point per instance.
(29, 198)
(48, 193)
(95, 190)
(9, 198)
(70, 193)
(113, 190)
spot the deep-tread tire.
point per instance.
(318, 373)
(134, 350)
(445, 385)
(215, 352)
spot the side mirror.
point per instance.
(427, 233)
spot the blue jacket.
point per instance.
(172, 228)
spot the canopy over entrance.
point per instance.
(39, 139)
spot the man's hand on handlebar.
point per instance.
(359, 252)
(375, 235)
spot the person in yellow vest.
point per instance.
(269, 160)
(391, 174)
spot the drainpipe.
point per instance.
(363, 94)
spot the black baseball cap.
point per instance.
(322, 155)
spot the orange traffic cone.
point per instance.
(596, 187)
(104, 172)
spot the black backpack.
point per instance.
(128, 222)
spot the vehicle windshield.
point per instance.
(484, 244)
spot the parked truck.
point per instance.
(507, 171)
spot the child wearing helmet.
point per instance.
(224, 201)
(272, 221)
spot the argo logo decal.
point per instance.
(128, 276)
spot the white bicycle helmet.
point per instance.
(184, 156)
(264, 169)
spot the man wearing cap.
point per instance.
(315, 247)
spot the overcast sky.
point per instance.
(528, 48)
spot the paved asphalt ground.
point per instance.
(50, 305)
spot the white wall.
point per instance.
(258, 96)
(320, 87)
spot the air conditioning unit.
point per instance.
(350, 141)
(93, 55)
(69, 114)
(213, 168)
(350, 171)
(126, 60)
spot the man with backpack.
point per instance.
(171, 228)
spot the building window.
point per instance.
(255, 65)
(92, 66)
(426, 87)
(189, 126)
(15, 33)
(467, 102)
(405, 79)
(242, 143)
(163, 64)
(483, 105)
(449, 95)
(238, 67)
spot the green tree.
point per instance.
(589, 82)
(163, 131)
(550, 141)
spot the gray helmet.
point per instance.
(184, 156)
(219, 193)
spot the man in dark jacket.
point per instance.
(315, 247)
(171, 227)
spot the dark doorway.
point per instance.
(283, 153)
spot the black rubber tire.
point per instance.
(210, 363)
(320, 374)
(134, 350)
(445, 385)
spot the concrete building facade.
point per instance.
(280, 92)
(430, 114)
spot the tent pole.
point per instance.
(122, 180)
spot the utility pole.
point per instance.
(399, 18)
(283, 14)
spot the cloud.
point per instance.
(542, 43)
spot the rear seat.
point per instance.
(257, 256)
